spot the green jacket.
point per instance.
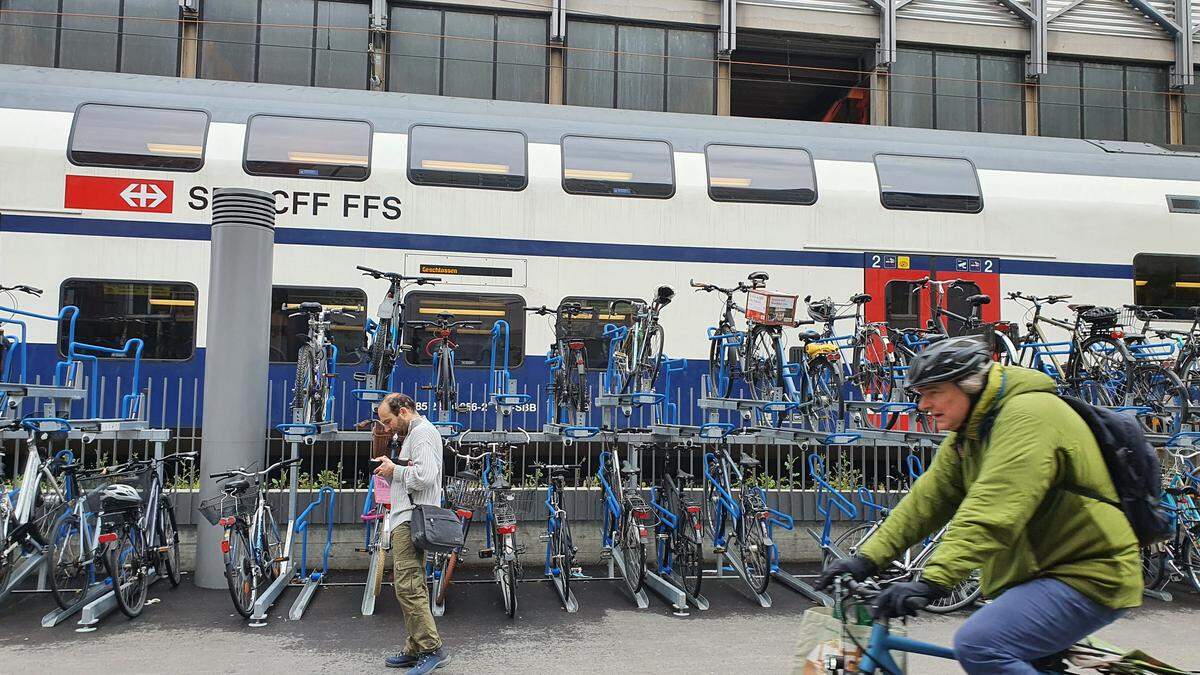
(1002, 494)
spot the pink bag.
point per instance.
(383, 491)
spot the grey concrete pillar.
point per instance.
(235, 359)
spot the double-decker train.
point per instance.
(106, 182)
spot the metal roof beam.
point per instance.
(885, 51)
(1181, 31)
(727, 36)
(1034, 17)
(558, 22)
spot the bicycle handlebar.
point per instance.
(241, 471)
(24, 288)
(1047, 299)
(392, 276)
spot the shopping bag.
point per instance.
(822, 636)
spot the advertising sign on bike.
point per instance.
(771, 309)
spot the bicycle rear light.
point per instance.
(226, 521)
(108, 538)
(575, 345)
(693, 509)
(465, 514)
(507, 529)
(225, 546)
(1116, 334)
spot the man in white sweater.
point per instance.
(416, 477)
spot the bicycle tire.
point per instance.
(446, 574)
(66, 539)
(854, 534)
(562, 551)
(272, 548)
(239, 571)
(764, 365)
(302, 389)
(1160, 389)
(720, 367)
(1189, 373)
(828, 406)
(874, 383)
(321, 381)
(507, 576)
(964, 594)
(687, 554)
(444, 385)
(1096, 378)
(1153, 567)
(634, 550)
(128, 566)
(708, 510)
(168, 538)
(1191, 560)
(381, 357)
(756, 555)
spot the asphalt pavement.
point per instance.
(188, 630)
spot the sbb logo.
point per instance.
(119, 194)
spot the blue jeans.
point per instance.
(1027, 622)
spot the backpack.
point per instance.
(1132, 464)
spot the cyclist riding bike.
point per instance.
(1009, 479)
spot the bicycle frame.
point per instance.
(613, 498)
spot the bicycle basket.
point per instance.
(503, 514)
(223, 505)
(1100, 317)
(771, 309)
(463, 493)
(92, 486)
(524, 504)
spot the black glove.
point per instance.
(905, 598)
(857, 567)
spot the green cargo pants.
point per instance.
(408, 571)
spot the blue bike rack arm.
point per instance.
(1184, 439)
(35, 423)
(68, 314)
(816, 468)
(670, 407)
(724, 497)
(614, 334)
(79, 351)
(498, 370)
(327, 496)
(609, 498)
(368, 507)
(665, 516)
(867, 499)
(916, 466)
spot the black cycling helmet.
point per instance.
(821, 310)
(948, 360)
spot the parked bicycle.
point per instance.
(870, 373)
(316, 365)
(441, 348)
(1178, 557)
(626, 519)
(466, 493)
(384, 335)
(680, 553)
(560, 546)
(736, 514)
(943, 321)
(638, 357)
(569, 393)
(252, 545)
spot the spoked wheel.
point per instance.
(634, 550)
(168, 539)
(240, 572)
(827, 407)
(722, 359)
(446, 389)
(1098, 372)
(126, 562)
(687, 555)
(271, 549)
(872, 380)
(649, 360)
(562, 552)
(1190, 555)
(381, 357)
(1162, 391)
(711, 509)
(67, 566)
(965, 594)
(1189, 373)
(306, 386)
(846, 542)
(506, 575)
(446, 565)
(756, 555)
(764, 367)
(1154, 563)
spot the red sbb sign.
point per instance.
(119, 194)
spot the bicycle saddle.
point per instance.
(500, 483)
(628, 469)
(467, 475)
(861, 298)
(747, 461)
(310, 307)
(1079, 308)
(809, 335)
(758, 277)
(238, 485)
(979, 299)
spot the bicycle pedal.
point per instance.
(718, 549)
(487, 552)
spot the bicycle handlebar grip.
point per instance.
(368, 270)
(428, 280)
(221, 474)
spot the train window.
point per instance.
(289, 330)
(738, 173)
(902, 304)
(143, 138)
(589, 325)
(1181, 204)
(1167, 282)
(306, 147)
(474, 158)
(617, 167)
(928, 184)
(112, 312)
(474, 341)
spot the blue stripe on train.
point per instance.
(527, 247)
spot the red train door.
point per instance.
(897, 296)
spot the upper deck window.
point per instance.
(142, 138)
(477, 158)
(928, 184)
(739, 173)
(617, 167)
(305, 147)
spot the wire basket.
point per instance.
(524, 504)
(464, 493)
(92, 485)
(224, 505)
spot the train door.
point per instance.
(893, 280)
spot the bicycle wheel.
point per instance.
(1154, 564)
(446, 566)
(321, 381)
(444, 386)
(645, 371)
(721, 360)
(562, 551)
(239, 570)
(381, 357)
(1189, 372)
(687, 555)
(846, 542)
(168, 540)
(1098, 371)
(711, 509)
(756, 555)
(634, 550)
(1161, 390)
(872, 380)
(962, 595)
(827, 406)
(1191, 560)
(270, 548)
(126, 562)
(506, 574)
(764, 367)
(68, 565)
(302, 391)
